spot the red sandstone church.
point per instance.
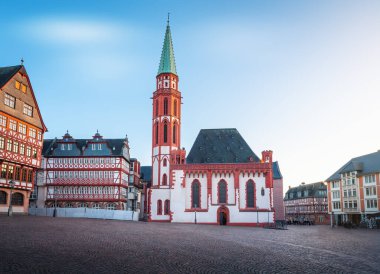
(221, 181)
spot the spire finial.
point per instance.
(22, 61)
(67, 131)
(168, 18)
(97, 131)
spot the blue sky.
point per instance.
(298, 77)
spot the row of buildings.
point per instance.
(349, 196)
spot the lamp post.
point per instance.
(195, 211)
(55, 202)
(10, 210)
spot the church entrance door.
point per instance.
(223, 215)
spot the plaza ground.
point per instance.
(64, 245)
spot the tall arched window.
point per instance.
(159, 207)
(165, 132)
(157, 107)
(174, 133)
(222, 192)
(166, 106)
(17, 199)
(250, 194)
(156, 125)
(167, 207)
(164, 162)
(195, 195)
(175, 107)
(3, 197)
(164, 180)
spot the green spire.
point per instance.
(167, 63)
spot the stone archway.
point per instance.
(223, 216)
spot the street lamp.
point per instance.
(10, 210)
(55, 202)
(195, 211)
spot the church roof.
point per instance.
(167, 62)
(6, 73)
(365, 164)
(146, 173)
(220, 146)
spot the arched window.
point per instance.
(164, 180)
(111, 206)
(3, 197)
(222, 192)
(262, 191)
(164, 162)
(17, 199)
(195, 195)
(157, 107)
(156, 125)
(250, 194)
(166, 106)
(167, 207)
(174, 133)
(159, 207)
(175, 107)
(165, 133)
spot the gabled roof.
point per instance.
(316, 190)
(365, 164)
(51, 148)
(220, 146)
(146, 173)
(276, 171)
(6, 73)
(167, 62)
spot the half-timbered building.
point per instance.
(21, 134)
(221, 181)
(90, 173)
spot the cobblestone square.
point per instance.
(64, 245)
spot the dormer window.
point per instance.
(99, 146)
(69, 146)
(62, 146)
(93, 146)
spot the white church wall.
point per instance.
(155, 172)
(159, 194)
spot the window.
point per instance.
(370, 191)
(250, 194)
(69, 146)
(111, 207)
(15, 147)
(22, 149)
(3, 171)
(156, 125)
(17, 85)
(32, 132)
(28, 110)
(222, 191)
(1, 142)
(23, 88)
(262, 191)
(9, 145)
(335, 194)
(370, 179)
(30, 176)
(195, 195)
(159, 207)
(17, 173)
(164, 162)
(174, 133)
(22, 128)
(3, 121)
(165, 133)
(167, 207)
(96, 206)
(10, 172)
(175, 107)
(39, 135)
(164, 180)
(3, 197)
(166, 106)
(372, 203)
(23, 173)
(9, 100)
(28, 151)
(13, 125)
(335, 184)
(93, 146)
(34, 153)
(336, 205)
(17, 199)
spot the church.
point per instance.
(221, 181)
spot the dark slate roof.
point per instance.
(6, 73)
(51, 148)
(146, 173)
(276, 171)
(365, 164)
(312, 191)
(220, 146)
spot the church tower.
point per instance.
(166, 130)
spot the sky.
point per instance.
(300, 78)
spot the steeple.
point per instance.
(167, 62)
